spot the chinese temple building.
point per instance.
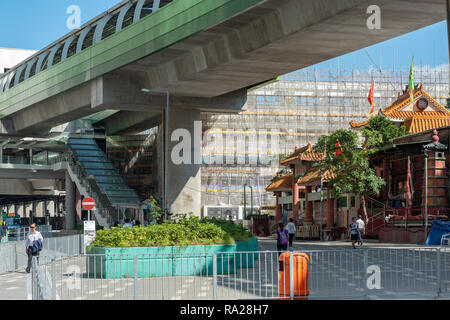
(424, 114)
(415, 169)
(299, 163)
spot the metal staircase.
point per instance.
(95, 176)
(377, 212)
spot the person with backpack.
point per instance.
(353, 232)
(282, 238)
(33, 245)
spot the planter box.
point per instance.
(246, 260)
(109, 263)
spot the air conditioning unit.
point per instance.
(222, 212)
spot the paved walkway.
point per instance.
(13, 286)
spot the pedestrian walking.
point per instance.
(362, 230)
(291, 231)
(3, 231)
(282, 238)
(33, 245)
(353, 232)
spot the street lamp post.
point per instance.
(245, 200)
(166, 146)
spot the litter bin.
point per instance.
(301, 290)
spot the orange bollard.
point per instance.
(301, 290)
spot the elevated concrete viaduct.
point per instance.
(206, 53)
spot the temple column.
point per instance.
(278, 210)
(308, 208)
(330, 210)
(294, 198)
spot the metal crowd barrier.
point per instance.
(38, 291)
(13, 256)
(21, 233)
(327, 274)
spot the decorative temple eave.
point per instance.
(281, 183)
(423, 114)
(312, 177)
(305, 153)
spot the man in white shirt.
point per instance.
(362, 230)
(291, 231)
(32, 236)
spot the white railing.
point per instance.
(324, 274)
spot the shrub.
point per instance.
(236, 232)
(187, 232)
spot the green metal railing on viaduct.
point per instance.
(145, 36)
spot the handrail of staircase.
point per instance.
(385, 206)
(85, 181)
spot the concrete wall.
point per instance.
(184, 180)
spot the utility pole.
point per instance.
(321, 203)
(245, 201)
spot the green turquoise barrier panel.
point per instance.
(198, 260)
(254, 247)
(110, 263)
(246, 260)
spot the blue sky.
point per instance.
(33, 24)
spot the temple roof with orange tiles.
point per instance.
(305, 153)
(425, 113)
(312, 177)
(281, 183)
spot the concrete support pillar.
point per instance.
(69, 222)
(295, 199)
(278, 209)
(308, 208)
(33, 211)
(330, 210)
(184, 161)
(78, 204)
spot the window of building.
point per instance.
(352, 202)
(342, 202)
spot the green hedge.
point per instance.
(237, 232)
(188, 231)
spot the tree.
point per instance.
(379, 132)
(350, 164)
(155, 211)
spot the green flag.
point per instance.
(411, 81)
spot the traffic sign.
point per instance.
(88, 203)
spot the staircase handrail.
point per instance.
(86, 182)
(382, 204)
